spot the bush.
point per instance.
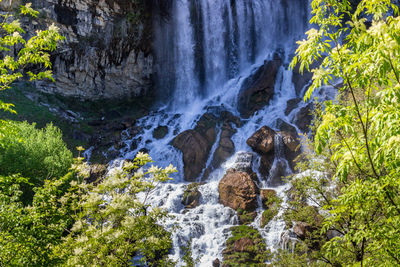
(34, 153)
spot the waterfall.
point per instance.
(204, 51)
(205, 43)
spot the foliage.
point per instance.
(359, 134)
(18, 55)
(114, 223)
(34, 154)
(28, 233)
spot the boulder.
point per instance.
(246, 247)
(302, 229)
(262, 141)
(195, 149)
(291, 105)
(283, 126)
(225, 147)
(290, 141)
(243, 245)
(191, 196)
(301, 79)
(304, 117)
(237, 190)
(258, 89)
(160, 132)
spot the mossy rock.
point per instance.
(267, 216)
(245, 247)
(246, 217)
(191, 196)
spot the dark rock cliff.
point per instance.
(107, 53)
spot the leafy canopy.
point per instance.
(360, 131)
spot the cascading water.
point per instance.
(204, 52)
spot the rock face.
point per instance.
(106, 54)
(237, 190)
(258, 89)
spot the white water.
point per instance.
(204, 52)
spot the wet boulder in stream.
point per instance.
(237, 190)
(195, 146)
(195, 150)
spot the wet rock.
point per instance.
(195, 149)
(277, 172)
(191, 196)
(230, 118)
(283, 126)
(225, 147)
(292, 147)
(266, 164)
(301, 79)
(290, 140)
(304, 117)
(237, 190)
(206, 126)
(291, 104)
(262, 141)
(258, 89)
(160, 132)
(216, 263)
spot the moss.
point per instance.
(245, 247)
(267, 216)
(246, 217)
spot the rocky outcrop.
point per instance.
(106, 54)
(237, 190)
(258, 89)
